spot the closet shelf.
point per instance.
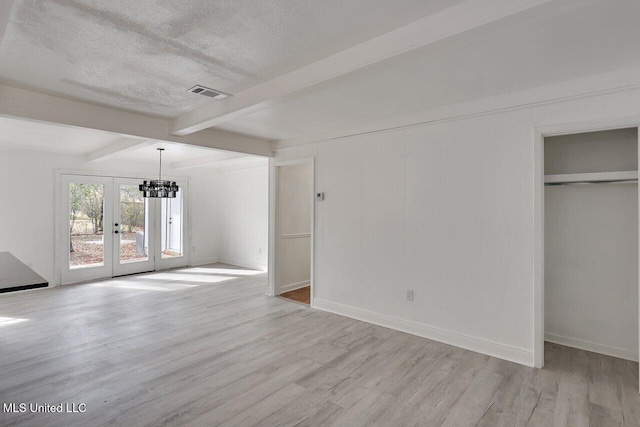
(591, 177)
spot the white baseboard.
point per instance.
(490, 348)
(202, 261)
(246, 264)
(608, 350)
(294, 286)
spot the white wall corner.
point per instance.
(489, 348)
(202, 261)
(246, 264)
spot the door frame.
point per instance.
(123, 269)
(273, 288)
(540, 133)
(60, 213)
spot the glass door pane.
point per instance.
(133, 226)
(172, 216)
(86, 225)
(133, 231)
(172, 226)
(86, 244)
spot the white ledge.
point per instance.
(591, 177)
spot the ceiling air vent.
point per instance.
(211, 93)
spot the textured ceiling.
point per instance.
(600, 37)
(143, 55)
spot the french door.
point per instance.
(109, 229)
(133, 226)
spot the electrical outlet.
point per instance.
(409, 294)
(260, 250)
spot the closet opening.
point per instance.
(590, 291)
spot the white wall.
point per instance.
(205, 215)
(241, 198)
(295, 188)
(27, 208)
(591, 267)
(445, 209)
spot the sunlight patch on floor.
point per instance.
(162, 287)
(6, 321)
(178, 277)
(229, 271)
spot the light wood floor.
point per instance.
(205, 347)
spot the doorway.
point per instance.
(292, 229)
(589, 242)
(107, 229)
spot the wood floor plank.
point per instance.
(205, 346)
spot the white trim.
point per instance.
(185, 259)
(638, 148)
(581, 344)
(593, 176)
(117, 174)
(538, 249)
(490, 348)
(540, 133)
(58, 236)
(587, 87)
(271, 255)
(203, 261)
(294, 286)
(273, 288)
(295, 236)
(596, 125)
(246, 264)
(293, 162)
(120, 268)
(62, 258)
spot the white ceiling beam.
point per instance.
(20, 103)
(450, 22)
(121, 146)
(595, 85)
(5, 14)
(207, 160)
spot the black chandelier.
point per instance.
(158, 187)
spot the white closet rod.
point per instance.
(619, 181)
(591, 178)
